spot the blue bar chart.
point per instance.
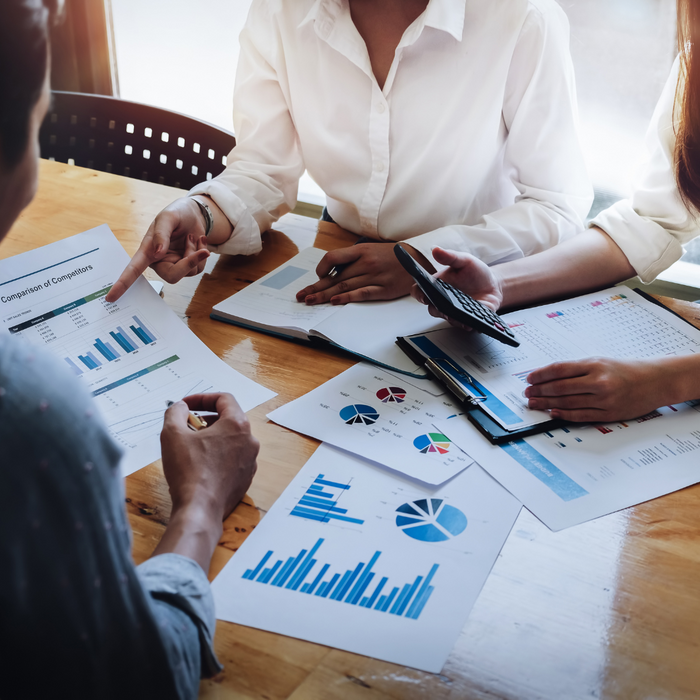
(320, 503)
(351, 586)
(119, 343)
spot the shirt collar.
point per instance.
(446, 15)
(322, 9)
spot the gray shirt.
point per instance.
(75, 613)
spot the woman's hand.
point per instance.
(371, 272)
(174, 246)
(469, 274)
(600, 390)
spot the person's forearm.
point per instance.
(193, 531)
(589, 261)
(675, 379)
(222, 228)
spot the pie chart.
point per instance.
(393, 394)
(432, 443)
(359, 413)
(430, 520)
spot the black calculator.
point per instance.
(454, 303)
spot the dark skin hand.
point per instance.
(372, 273)
(174, 246)
(601, 390)
(208, 473)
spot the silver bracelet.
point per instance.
(208, 216)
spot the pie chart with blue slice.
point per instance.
(359, 413)
(430, 520)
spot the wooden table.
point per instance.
(609, 609)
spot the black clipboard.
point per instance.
(462, 386)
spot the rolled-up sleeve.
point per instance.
(653, 225)
(181, 584)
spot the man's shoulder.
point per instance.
(35, 384)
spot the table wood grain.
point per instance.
(608, 609)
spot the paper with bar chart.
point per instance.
(581, 472)
(368, 411)
(363, 560)
(133, 355)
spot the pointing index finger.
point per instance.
(136, 267)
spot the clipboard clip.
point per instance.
(474, 399)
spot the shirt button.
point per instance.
(381, 108)
(380, 167)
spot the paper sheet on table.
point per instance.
(617, 323)
(133, 355)
(578, 473)
(367, 411)
(356, 558)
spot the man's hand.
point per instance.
(467, 273)
(372, 272)
(598, 390)
(213, 467)
(174, 246)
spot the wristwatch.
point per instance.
(208, 216)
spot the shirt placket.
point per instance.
(379, 128)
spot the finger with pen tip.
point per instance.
(334, 272)
(193, 422)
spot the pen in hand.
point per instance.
(193, 422)
(335, 271)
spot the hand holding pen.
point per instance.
(362, 272)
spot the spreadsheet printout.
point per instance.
(616, 323)
(580, 472)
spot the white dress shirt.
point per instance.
(471, 144)
(652, 226)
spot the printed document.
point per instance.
(362, 560)
(133, 355)
(574, 474)
(367, 411)
(617, 323)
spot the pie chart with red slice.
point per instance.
(432, 443)
(392, 394)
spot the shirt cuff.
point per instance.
(649, 247)
(180, 582)
(245, 239)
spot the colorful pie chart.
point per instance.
(430, 520)
(432, 443)
(359, 413)
(392, 394)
